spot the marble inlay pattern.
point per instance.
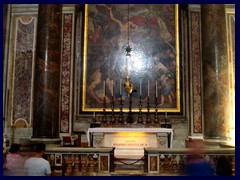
(23, 70)
(196, 63)
(66, 72)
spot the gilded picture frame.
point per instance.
(152, 32)
(230, 21)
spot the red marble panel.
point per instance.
(66, 72)
(196, 63)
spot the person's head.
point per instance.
(223, 166)
(90, 35)
(14, 148)
(196, 150)
(161, 72)
(124, 19)
(92, 14)
(156, 58)
(104, 68)
(40, 148)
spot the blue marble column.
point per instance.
(47, 72)
(215, 72)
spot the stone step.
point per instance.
(128, 160)
(129, 167)
(128, 173)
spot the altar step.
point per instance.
(128, 163)
(135, 167)
(128, 167)
(128, 173)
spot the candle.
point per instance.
(104, 92)
(156, 90)
(148, 88)
(165, 115)
(112, 87)
(140, 92)
(120, 86)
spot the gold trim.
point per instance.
(177, 59)
(230, 13)
(85, 58)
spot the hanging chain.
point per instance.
(128, 25)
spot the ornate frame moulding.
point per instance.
(153, 66)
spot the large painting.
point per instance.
(151, 31)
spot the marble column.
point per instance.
(47, 72)
(215, 72)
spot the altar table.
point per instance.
(134, 139)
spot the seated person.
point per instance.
(14, 162)
(37, 165)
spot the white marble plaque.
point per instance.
(130, 144)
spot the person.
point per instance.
(37, 165)
(164, 33)
(123, 25)
(165, 88)
(223, 166)
(98, 17)
(14, 161)
(95, 88)
(196, 164)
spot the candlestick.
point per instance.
(94, 114)
(140, 92)
(112, 87)
(104, 92)
(120, 86)
(121, 110)
(113, 117)
(148, 88)
(148, 110)
(104, 119)
(156, 90)
(165, 115)
(140, 109)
